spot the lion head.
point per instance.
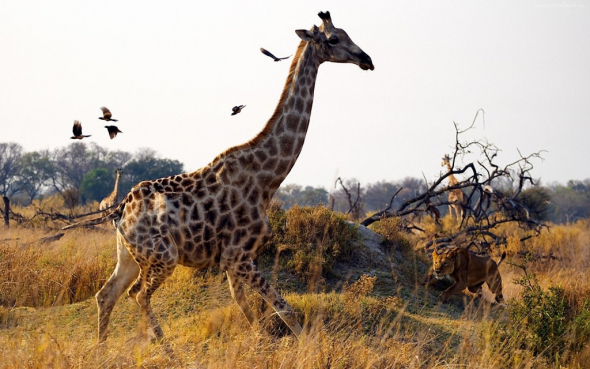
(443, 262)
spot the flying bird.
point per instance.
(78, 131)
(268, 53)
(113, 130)
(106, 115)
(237, 109)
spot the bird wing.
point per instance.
(286, 57)
(268, 53)
(113, 130)
(106, 112)
(77, 128)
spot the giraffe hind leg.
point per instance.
(125, 272)
(247, 273)
(236, 288)
(154, 277)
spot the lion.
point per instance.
(468, 270)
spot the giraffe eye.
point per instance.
(333, 40)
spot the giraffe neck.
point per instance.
(115, 194)
(452, 180)
(269, 156)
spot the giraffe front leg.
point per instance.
(250, 275)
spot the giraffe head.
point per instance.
(445, 160)
(119, 171)
(334, 45)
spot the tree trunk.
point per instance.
(6, 210)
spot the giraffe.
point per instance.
(217, 214)
(112, 199)
(456, 197)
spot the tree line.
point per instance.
(82, 173)
(78, 172)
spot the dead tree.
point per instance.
(354, 207)
(487, 206)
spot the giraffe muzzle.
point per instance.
(365, 62)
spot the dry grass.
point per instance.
(378, 316)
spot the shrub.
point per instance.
(310, 239)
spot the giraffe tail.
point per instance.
(115, 214)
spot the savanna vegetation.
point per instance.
(359, 292)
(359, 295)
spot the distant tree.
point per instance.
(36, 171)
(146, 166)
(569, 202)
(97, 184)
(536, 201)
(10, 166)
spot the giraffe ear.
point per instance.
(304, 34)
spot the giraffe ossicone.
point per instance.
(217, 215)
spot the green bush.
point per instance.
(545, 322)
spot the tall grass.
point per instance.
(379, 317)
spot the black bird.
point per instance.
(237, 109)
(78, 131)
(113, 130)
(106, 115)
(268, 53)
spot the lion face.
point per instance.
(443, 264)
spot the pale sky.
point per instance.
(171, 71)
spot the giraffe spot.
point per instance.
(270, 164)
(261, 155)
(165, 181)
(241, 180)
(214, 188)
(207, 233)
(208, 205)
(177, 236)
(161, 247)
(186, 182)
(242, 216)
(256, 228)
(234, 198)
(249, 245)
(238, 235)
(210, 179)
(224, 221)
(197, 239)
(278, 129)
(299, 104)
(271, 147)
(254, 196)
(254, 213)
(195, 213)
(284, 165)
(293, 122)
(303, 92)
(176, 204)
(186, 199)
(286, 144)
(211, 217)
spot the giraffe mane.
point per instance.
(277, 113)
